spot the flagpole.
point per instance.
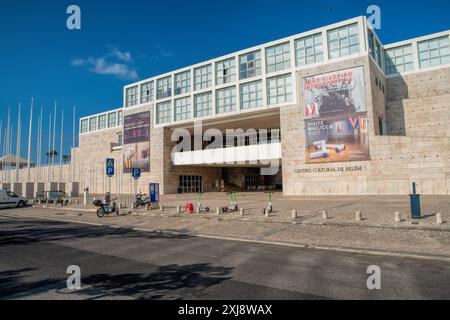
(72, 160)
(29, 140)
(61, 147)
(18, 145)
(36, 167)
(40, 145)
(53, 148)
(49, 146)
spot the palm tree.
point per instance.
(66, 158)
(51, 155)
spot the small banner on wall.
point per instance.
(336, 117)
(136, 142)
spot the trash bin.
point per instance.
(416, 212)
(108, 198)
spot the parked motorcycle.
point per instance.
(141, 200)
(105, 209)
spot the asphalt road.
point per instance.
(126, 264)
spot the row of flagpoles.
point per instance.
(6, 141)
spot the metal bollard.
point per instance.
(358, 216)
(294, 214)
(439, 218)
(241, 212)
(325, 214)
(398, 217)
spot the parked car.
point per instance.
(9, 199)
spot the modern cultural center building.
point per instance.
(334, 109)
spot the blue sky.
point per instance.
(123, 41)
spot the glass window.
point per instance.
(226, 100)
(343, 41)
(203, 105)
(183, 109)
(203, 77)
(92, 124)
(164, 112)
(250, 65)
(183, 82)
(251, 95)
(399, 59)
(371, 43)
(84, 125)
(120, 118)
(279, 89)
(112, 120)
(102, 122)
(225, 71)
(132, 96)
(164, 88)
(309, 50)
(434, 52)
(278, 57)
(147, 92)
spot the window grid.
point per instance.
(279, 89)
(183, 82)
(226, 100)
(203, 105)
(343, 41)
(250, 65)
(164, 88)
(251, 94)
(132, 96)
(203, 77)
(102, 122)
(434, 52)
(163, 112)
(399, 59)
(225, 71)
(147, 92)
(93, 124)
(278, 57)
(183, 109)
(190, 184)
(84, 126)
(309, 50)
(112, 120)
(119, 118)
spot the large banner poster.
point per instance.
(336, 117)
(136, 141)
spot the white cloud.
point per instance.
(105, 65)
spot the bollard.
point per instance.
(398, 217)
(241, 212)
(358, 216)
(162, 208)
(178, 209)
(294, 214)
(198, 210)
(218, 211)
(267, 213)
(439, 218)
(325, 214)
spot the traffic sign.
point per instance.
(109, 167)
(136, 173)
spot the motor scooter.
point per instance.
(141, 200)
(105, 209)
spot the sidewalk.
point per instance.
(280, 229)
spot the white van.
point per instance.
(9, 199)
